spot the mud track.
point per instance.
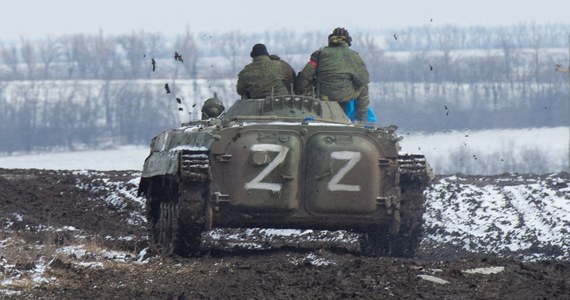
(81, 235)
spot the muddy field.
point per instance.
(81, 235)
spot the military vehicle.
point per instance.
(282, 162)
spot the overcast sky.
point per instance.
(42, 18)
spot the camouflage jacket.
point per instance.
(286, 68)
(336, 70)
(261, 76)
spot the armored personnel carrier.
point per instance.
(282, 162)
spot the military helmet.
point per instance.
(341, 31)
(212, 108)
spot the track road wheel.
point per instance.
(415, 175)
(165, 227)
(412, 209)
(190, 219)
(176, 216)
(157, 207)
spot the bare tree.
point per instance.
(188, 48)
(81, 56)
(135, 52)
(372, 54)
(536, 42)
(28, 57)
(233, 48)
(153, 47)
(106, 55)
(10, 58)
(78, 56)
(50, 51)
(447, 40)
(507, 46)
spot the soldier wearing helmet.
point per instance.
(264, 76)
(337, 73)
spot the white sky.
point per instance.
(42, 18)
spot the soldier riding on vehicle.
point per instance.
(264, 76)
(338, 74)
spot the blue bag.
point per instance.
(350, 110)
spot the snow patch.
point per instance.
(519, 215)
(433, 279)
(485, 271)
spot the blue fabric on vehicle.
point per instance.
(350, 110)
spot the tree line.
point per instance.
(95, 89)
(459, 54)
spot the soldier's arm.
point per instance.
(361, 76)
(289, 74)
(362, 103)
(304, 82)
(240, 87)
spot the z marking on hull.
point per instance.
(256, 183)
(353, 158)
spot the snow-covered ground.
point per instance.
(510, 214)
(485, 152)
(517, 215)
(514, 215)
(121, 158)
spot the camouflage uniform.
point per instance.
(338, 73)
(263, 74)
(287, 70)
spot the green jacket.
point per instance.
(263, 74)
(336, 70)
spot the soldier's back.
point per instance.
(263, 77)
